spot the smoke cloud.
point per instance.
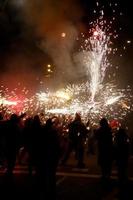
(51, 19)
(47, 29)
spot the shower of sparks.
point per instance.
(113, 100)
(109, 101)
(95, 59)
(95, 50)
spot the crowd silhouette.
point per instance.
(50, 144)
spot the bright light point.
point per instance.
(102, 13)
(128, 41)
(95, 33)
(48, 65)
(63, 35)
(97, 3)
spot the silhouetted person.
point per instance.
(50, 154)
(121, 154)
(77, 136)
(104, 139)
(12, 142)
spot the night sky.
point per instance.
(23, 26)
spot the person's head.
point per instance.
(103, 122)
(55, 120)
(49, 122)
(77, 117)
(36, 119)
(14, 118)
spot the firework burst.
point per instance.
(94, 98)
